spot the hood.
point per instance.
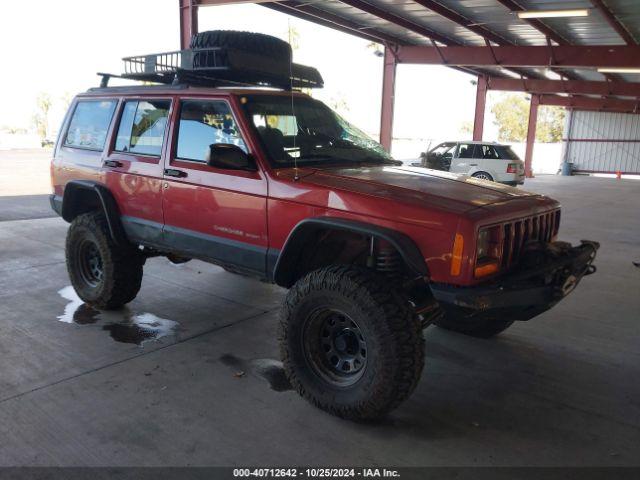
(413, 185)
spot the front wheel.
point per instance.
(351, 344)
(103, 274)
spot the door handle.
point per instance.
(172, 172)
(112, 163)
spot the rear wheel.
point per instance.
(481, 328)
(103, 274)
(350, 343)
(483, 176)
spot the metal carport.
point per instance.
(588, 63)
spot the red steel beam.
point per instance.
(481, 101)
(462, 21)
(569, 56)
(400, 21)
(614, 22)
(188, 21)
(593, 104)
(535, 23)
(308, 12)
(582, 87)
(531, 135)
(388, 94)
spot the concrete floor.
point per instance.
(159, 384)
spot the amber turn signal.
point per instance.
(456, 255)
(486, 269)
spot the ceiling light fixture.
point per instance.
(618, 70)
(580, 12)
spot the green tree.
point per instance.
(41, 116)
(512, 118)
(550, 124)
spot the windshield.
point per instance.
(305, 131)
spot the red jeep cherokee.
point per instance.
(273, 184)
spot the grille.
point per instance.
(516, 234)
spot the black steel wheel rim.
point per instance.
(89, 263)
(335, 347)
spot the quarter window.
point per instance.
(89, 124)
(202, 124)
(142, 127)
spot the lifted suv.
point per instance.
(275, 185)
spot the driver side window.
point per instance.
(204, 123)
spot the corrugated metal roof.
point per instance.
(494, 16)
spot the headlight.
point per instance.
(488, 251)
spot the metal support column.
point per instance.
(188, 21)
(531, 135)
(481, 101)
(388, 96)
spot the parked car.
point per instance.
(273, 184)
(484, 160)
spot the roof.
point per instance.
(186, 89)
(479, 23)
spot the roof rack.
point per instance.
(215, 67)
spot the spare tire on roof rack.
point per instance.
(224, 58)
(257, 43)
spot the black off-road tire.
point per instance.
(121, 265)
(392, 331)
(257, 43)
(480, 328)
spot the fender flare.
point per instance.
(70, 208)
(305, 230)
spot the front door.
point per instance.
(212, 213)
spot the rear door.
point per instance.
(134, 164)
(213, 213)
(489, 161)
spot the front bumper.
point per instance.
(544, 277)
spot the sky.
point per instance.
(58, 46)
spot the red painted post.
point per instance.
(481, 101)
(531, 135)
(388, 95)
(188, 21)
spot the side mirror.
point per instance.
(227, 155)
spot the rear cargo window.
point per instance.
(142, 127)
(89, 124)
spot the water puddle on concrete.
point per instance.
(123, 325)
(266, 368)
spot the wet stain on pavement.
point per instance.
(269, 369)
(123, 325)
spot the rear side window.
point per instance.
(89, 124)
(142, 127)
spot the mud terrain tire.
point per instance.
(258, 43)
(367, 313)
(485, 328)
(103, 274)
